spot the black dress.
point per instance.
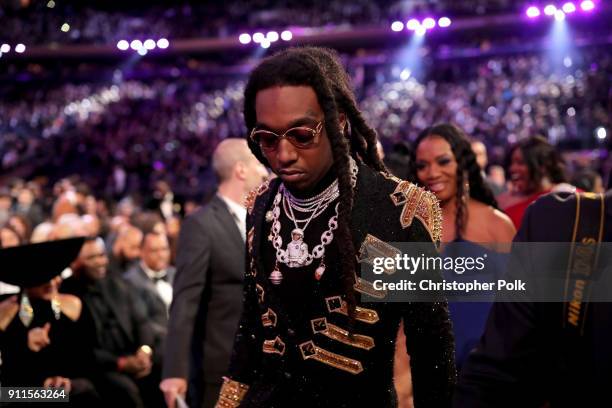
(292, 348)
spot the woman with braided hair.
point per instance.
(446, 165)
(306, 337)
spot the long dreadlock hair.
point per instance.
(321, 69)
(466, 166)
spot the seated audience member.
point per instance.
(123, 334)
(45, 336)
(152, 278)
(125, 251)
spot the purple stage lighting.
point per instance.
(286, 35)
(429, 23)
(272, 36)
(265, 43)
(444, 22)
(533, 12)
(550, 10)
(5, 48)
(420, 31)
(258, 37)
(136, 45)
(397, 26)
(123, 45)
(587, 5)
(569, 8)
(149, 44)
(244, 38)
(413, 24)
(20, 48)
(559, 15)
(163, 43)
(142, 51)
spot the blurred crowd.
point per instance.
(185, 20)
(97, 129)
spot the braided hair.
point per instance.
(466, 166)
(321, 69)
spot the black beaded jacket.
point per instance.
(293, 349)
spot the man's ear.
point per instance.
(240, 170)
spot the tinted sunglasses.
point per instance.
(302, 137)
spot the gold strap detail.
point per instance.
(250, 240)
(335, 304)
(320, 326)
(373, 247)
(232, 393)
(268, 319)
(276, 346)
(367, 288)
(249, 202)
(312, 352)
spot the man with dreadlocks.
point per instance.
(306, 339)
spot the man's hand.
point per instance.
(137, 365)
(58, 382)
(38, 338)
(171, 387)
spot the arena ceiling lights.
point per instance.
(559, 12)
(143, 47)
(421, 27)
(265, 40)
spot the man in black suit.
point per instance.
(554, 354)
(124, 337)
(207, 298)
(152, 279)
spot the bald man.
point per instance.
(207, 300)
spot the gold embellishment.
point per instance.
(367, 288)
(268, 319)
(320, 326)
(373, 247)
(390, 176)
(335, 304)
(249, 202)
(312, 352)
(421, 204)
(232, 393)
(260, 293)
(276, 346)
(250, 240)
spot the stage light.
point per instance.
(429, 23)
(65, 27)
(559, 15)
(420, 31)
(569, 8)
(149, 44)
(258, 37)
(265, 43)
(397, 26)
(136, 45)
(20, 48)
(413, 24)
(51, 4)
(123, 45)
(587, 5)
(163, 43)
(601, 133)
(405, 74)
(142, 51)
(5, 48)
(244, 38)
(272, 36)
(550, 10)
(444, 22)
(286, 35)
(533, 12)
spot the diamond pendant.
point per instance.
(269, 216)
(276, 277)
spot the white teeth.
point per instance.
(436, 187)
